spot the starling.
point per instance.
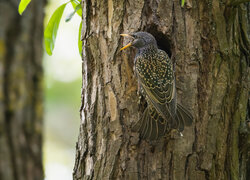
(156, 79)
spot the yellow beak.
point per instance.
(126, 35)
(129, 44)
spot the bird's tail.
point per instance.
(151, 125)
(183, 118)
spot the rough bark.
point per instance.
(208, 42)
(21, 94)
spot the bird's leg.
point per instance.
(139, 93)
(139, 99)
(138, 89)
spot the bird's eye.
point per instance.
(134, 36)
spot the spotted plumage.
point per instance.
(156, 78)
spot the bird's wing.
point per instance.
(157, 99)
(151, 126)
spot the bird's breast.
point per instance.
(153, 69)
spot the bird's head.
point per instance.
(140, 40)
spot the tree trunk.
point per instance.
(208, 43)
(21, 96)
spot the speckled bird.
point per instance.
(156, 78)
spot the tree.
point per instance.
(21, 95)
(208, 43)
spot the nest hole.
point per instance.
(163, 41)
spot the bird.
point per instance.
(156, 79)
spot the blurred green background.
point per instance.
(62, 97)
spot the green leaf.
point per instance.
(182, 3)
(79, 39)
(50, 31)
(22, 6)
(69, 17)
(77, 7)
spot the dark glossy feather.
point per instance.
(156, 77)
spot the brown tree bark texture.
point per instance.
(21, 96)
(208, 43)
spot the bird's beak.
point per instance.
(129, 44)
(126, 35)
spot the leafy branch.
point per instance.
(51, 29)
(22, 6)
(182, 3)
